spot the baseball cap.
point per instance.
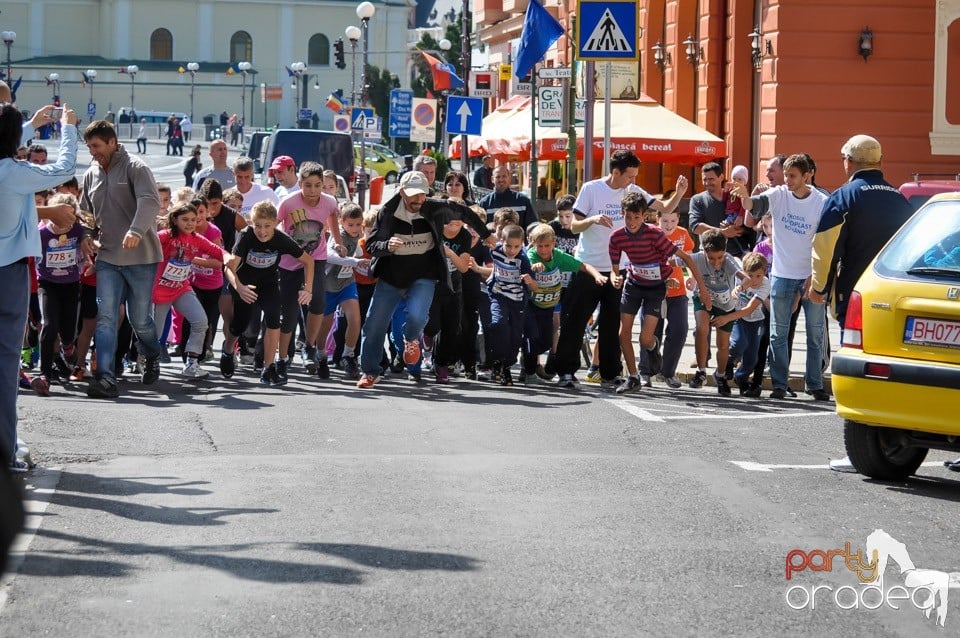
(413, 183)
(282, 161)
(862, 149)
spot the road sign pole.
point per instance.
(588, 122)
(572, 116)
(533, 136)
(607, 87)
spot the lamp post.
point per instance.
(244, 68)
(91, 105)
(445, 45)
(9, 37)
(192, 68)
(365, 11)
(353, 34)
(132, 71)
(298, 68)
(54, 79)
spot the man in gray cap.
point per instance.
(857, 220)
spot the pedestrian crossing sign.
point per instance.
(608, 30)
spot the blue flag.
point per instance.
(540, 31)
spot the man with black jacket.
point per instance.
(408, 260)
(505, 197)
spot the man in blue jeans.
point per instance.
(408, 260)
(796, 208)
(122, 194)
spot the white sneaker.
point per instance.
(674, 382)
(645, 381)
(843, 465)
(194, 371)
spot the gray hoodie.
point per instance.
(123, 199)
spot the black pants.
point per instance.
(445, 321)
(470, 315)
(757, 380)
(210, 300)
(59, 304)
(268, 302)
(583, 295)
(537, 335)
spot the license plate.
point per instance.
(932, 332)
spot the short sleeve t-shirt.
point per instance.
(176, 269)
(257, 193)
(647, 253)
(566, 238)
(795, 223)
(597, 198)
(205, 278)
(61, 260)
(226, 221)
(305, 225)
(507, 276)
(761, 292)
(720, 281)
(459, 244)
(683, 241)
(550, 282)
(259, 260)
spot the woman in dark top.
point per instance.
(193, 166)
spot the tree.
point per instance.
(380, 83)
(423, 82)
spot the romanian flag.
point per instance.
(232, 69)
(334, 103)
(444, 77)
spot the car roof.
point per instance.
(945, 196)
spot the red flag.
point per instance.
(443, 76)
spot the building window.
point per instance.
(161, 45)
(241, 47)
(318, 51)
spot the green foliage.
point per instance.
(443, 164)
(380, 83)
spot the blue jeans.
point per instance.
(745, 347)
(782, 294)
(132, 285)
(419, 297)
(13, 318)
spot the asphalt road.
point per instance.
(222, 507)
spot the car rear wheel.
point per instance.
(881, 453)
(392, 177)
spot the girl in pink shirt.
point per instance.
(184, 249)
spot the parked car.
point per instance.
(378, 163)
(332, 150)
(896, 377)
(924, 186)
(253, 146)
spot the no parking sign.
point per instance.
(341, 123)
(423, 124)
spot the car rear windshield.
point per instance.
(333, 150)
(927, 245)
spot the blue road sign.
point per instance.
(359, 117)
(306, 114)
(607, 30)
(401, 107)
(464, 115)
(91, 109)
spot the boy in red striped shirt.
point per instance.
(648, 262)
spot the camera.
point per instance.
(56, 113)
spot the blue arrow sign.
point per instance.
(359, 117)
(607, 30)
(464, 115)
(401, 107)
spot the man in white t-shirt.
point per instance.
(795, 208)
(597, 214)
(252, 193)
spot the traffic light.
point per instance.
(338, 53)
(56, 101)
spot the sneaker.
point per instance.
(208, 355)
(323, 369)
(674, 382)
(632, 384)
(309, 356)
(151, 371)
(192, 370)
(723, 388)
(506, 376)
(280, 376)
(427, 359)
(78, 373)
(534, 379)
(484, 374)
(654, 358)
(443, 374)
(63, 365)
(778, 393)
(367, 381)
(843, 465)
(753, 392)
(258, 362)
(593, 375)
(18, 467)
(246, 357)
(350, 368)
(102, 388)
(550, 367)
(742, 384)
(470, 372)
(397, 365)
(568, 381)
(228, 364)
(415, 375)
(411, 352)
(699, 378)
(269, 375)
(953, 466)
(820, 395)
(791, 393)
(543, 374)
(645, 381)
(41, 385)
(609, 385)
(26, 359)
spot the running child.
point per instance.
(507, 287)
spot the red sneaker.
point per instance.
(411, 352)
(366, 381)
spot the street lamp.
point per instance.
(91, 105)
(244, 68)
(445, 45)
(9, 37)
(132, 71)
(192, 68)
(353, 34)
(298, 68)
(365, 11)
(54, 79)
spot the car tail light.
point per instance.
(853, 323)
(352, 183)
(878, 370)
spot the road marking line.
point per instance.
(767, 415)
(633, 410)
(751, 466)
(44, 484)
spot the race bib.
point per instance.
(177, 271)
(644, 272)
(721, 297)
(346, 272)
(550, 278)
(363, 271)
(65, 257)
(546, 299)
(261, 260)
(507, 273)
(203, 271)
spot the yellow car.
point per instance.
(379, 162)
(896, 377)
